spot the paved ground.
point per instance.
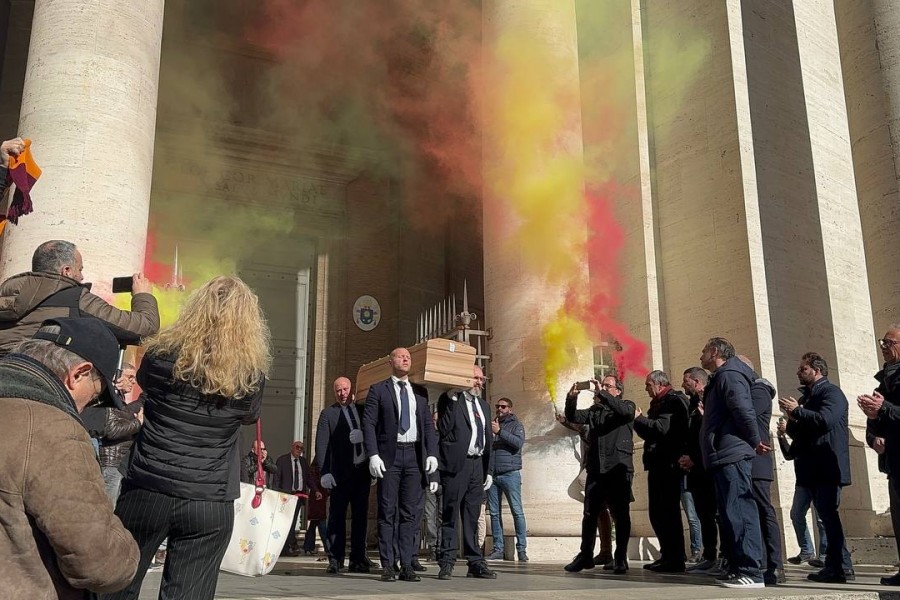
(304, 578)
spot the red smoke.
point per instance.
(598, 310)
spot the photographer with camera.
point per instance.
(53, 289)
(609, 468)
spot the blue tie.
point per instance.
(404, 408)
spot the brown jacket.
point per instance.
(58, 534)
(21, 314)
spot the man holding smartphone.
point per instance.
(53, 289)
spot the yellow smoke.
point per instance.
(561, 338)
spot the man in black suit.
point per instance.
(341, 459)
(401, 446)
(293, 477)
(465, 467)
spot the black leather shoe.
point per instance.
(579, 563)
(610, 565)
(333, 567)
(481, 571)
(649, 566)
(357, 567)
(417, 566)
(602, 558)
(826, 576)
(892, 580)
(388, 574)
(665, 567)
(620, 567)
(774, 577)
(408, 574)
(446, 571)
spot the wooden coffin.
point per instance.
(439, 364)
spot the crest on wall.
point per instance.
(366, 313)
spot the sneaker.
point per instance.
(800, 558)
(696, 557)
(738, 581)
(417, 566)
(523, 557)
(816, 562)
(721, 568)
(826, 576)
(446, 571)
(495, 555)
(703, 567)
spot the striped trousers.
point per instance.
(198, 532)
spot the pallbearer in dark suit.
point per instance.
(341, 458)
(465, 468)
(292, 477)
(401, 446)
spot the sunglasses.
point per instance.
(501, 406)
(886, 343)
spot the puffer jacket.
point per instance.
(729, 432)
(28, 299)
(60, 536)
(508, 442)
(189, 444)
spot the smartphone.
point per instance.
(121, 285)
(583, 385)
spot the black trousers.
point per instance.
(702, 489)
(610, 490)
(894, 489)
(827, 500)
(768, 524)
(401, 498)
(198, 533)
(463, 497)
(664, 491)
(352, 493)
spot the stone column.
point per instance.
(519, 302)
(89, 107)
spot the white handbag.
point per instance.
(262, 522)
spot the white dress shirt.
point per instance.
(473, 407)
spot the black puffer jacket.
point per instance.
(189, 445)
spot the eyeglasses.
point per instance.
(606, 386)
(886, 343)
(501, 406)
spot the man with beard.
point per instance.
(609, 469)
(821, 447)
(882, 407)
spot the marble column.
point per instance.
(518, 301)
(89, 107)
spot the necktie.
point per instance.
(479, 425)
(296, 474)
(404, 408)
(357, 448)
(352, 419)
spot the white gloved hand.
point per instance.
(430, 465)
(356, 436)
(328, 481)
(376, 467)
(432, 487)
(488, 482)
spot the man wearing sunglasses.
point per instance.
(509, 437)
(882, 407)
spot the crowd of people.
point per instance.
(130, 465)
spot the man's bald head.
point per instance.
(343, 391)
(401, 362)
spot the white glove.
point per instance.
(376, 467)
(356, 436)
(432, 487)
(430, 465)
(488, 482)
(328, 481)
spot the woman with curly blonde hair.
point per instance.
(203, 378)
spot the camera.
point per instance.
(583, 385)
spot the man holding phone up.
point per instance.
(53, 289)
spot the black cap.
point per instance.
(90, 339)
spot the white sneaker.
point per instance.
(734, 580)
